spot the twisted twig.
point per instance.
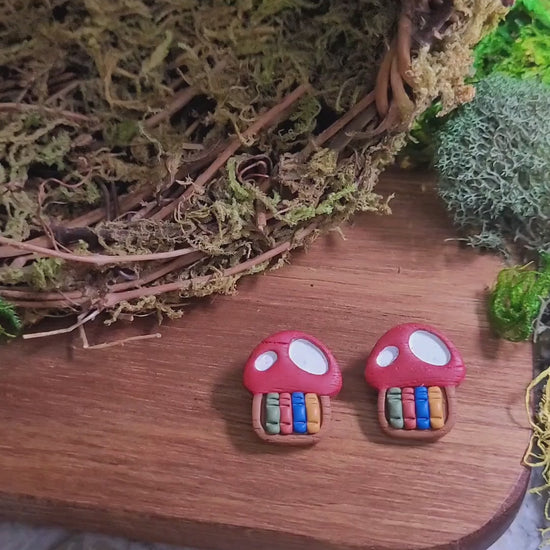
(181, 99)
(111, 299)
(96, 259)
(382, 82)
(264, 120)
(404, 41)
(75, 117)
(382, 110)
(126, 204)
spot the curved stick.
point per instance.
(400, 96)
(387, 123)
(341, 123)
(383, 81)
(96, 259)
(115, 298)
(353, 129)
(111, 299)
(404, 44)
(126, 202)
(264, 120)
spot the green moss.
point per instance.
(53, 152)
(303, 119)
(10, 275)
(516, 300)
(10, 323)
(121, 133)
(127, 61)
(520, 46)
(88, 194)
(134, 99)
(238, 190)
(46, 273)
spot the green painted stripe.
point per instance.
(395, 408)
(272, 414)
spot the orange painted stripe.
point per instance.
(313, 409)
(437, 416)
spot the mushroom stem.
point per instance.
(291, 439)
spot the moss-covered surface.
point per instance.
(141, 127)
(519, 46)
(516, 300)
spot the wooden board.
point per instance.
(153, 440)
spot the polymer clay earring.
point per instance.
(292, 377)
(415, 369)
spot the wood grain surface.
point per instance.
(154, 440)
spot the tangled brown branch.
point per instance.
(140, 201)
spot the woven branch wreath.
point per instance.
(154, 151)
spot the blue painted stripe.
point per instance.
(422, 408)
(299, 417)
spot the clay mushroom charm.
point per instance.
(292, 376)
(415, 369)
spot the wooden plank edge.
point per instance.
(491, 531)
(204, 535)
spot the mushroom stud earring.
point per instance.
(292, 377)
(415, 369)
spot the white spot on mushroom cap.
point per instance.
(308, 357)
(429, 348)
(387, 356)
(265, 361)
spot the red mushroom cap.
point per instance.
(413, 355)
(292, 361)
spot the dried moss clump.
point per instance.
(152, 151)
(493, 162)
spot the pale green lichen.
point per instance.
(493, 162)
